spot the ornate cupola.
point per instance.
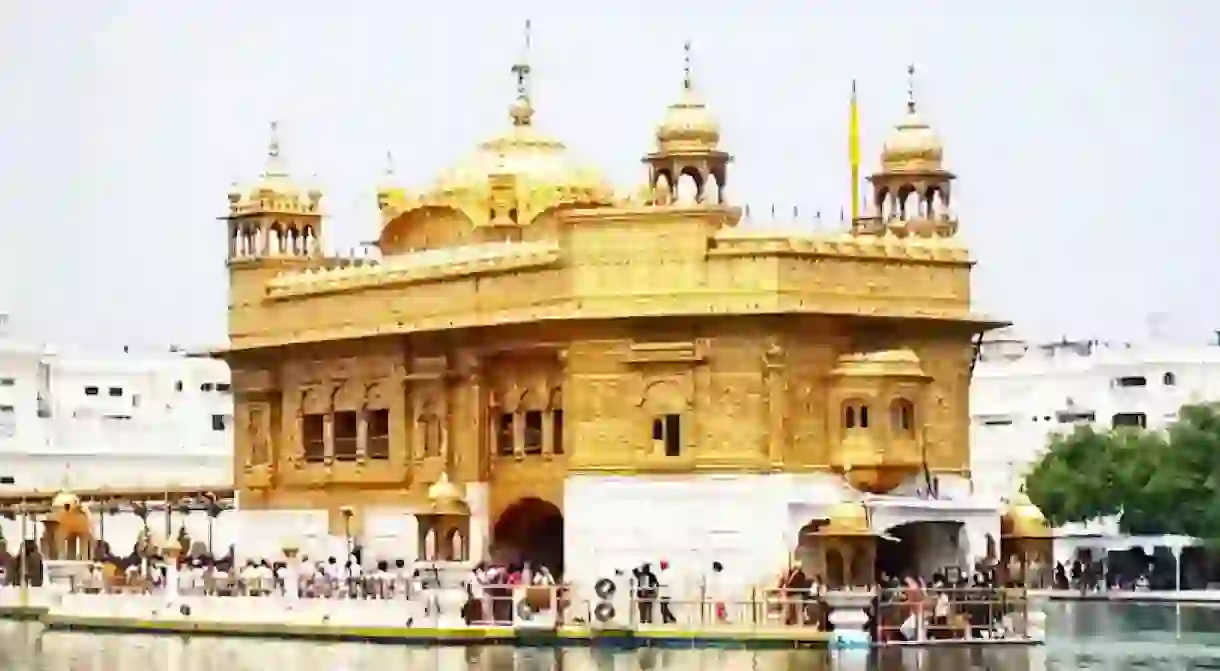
(911, 191)
(274, 218)
(688, 140)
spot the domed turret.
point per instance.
(276, 218)
(688, 140)
(911, 191)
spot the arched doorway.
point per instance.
(530, 529)
(919, 549)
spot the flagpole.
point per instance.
(853, 147)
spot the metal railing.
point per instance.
(949, 614)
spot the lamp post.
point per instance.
(24, 589)
(347, 513)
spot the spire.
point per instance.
(522, 110)
(911, 88)
(687, 84)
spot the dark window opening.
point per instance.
(1132, 381)
(557, 431)
(997, 422)
(504, 435)
(224, 386)
(533, 432)
(206, 386)
(115, 391)
(1075, 417)
(864, 417)
(90, 391)
(1130, 419)
(667, 429)
(378, 434)
(1169, 379)
(902, 418)
(178, 385)
(346, 427)
(313, 437)
(218, 422)
(849, 417)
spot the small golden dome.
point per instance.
(912, 146)
(1023, 519)
(688, 125)
(64, 501)
(275, 190)
(900, 362)
(847, 518)
(444, 490)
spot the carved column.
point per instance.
(475, 404)
(777, 403)
(328, 423)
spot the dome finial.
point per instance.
(275, 166)
(522, 110)
(911, 88)
(686, 75)
(389, 164)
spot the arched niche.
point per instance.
(426, 227)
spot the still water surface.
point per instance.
(1082, 636)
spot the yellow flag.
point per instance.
(853, 148)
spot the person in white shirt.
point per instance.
(665, 592)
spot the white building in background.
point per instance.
(119, 419)
(1023, 391)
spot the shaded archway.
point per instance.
(920, 549)
(530, 529)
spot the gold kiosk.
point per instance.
(1026, 543)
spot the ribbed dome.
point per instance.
(536, 164)
(688, 124)
(912, 146)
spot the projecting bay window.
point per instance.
(313, 437)
(378, 434)
(347, 435)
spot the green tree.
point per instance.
(1157, 482)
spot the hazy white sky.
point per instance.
(1084, 133)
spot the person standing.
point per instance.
(665, 593)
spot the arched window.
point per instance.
(1169, 379)
(855, 415)
(902, 417)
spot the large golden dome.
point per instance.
(537, 169)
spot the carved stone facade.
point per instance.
(376, 421)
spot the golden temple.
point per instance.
(525, 323)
